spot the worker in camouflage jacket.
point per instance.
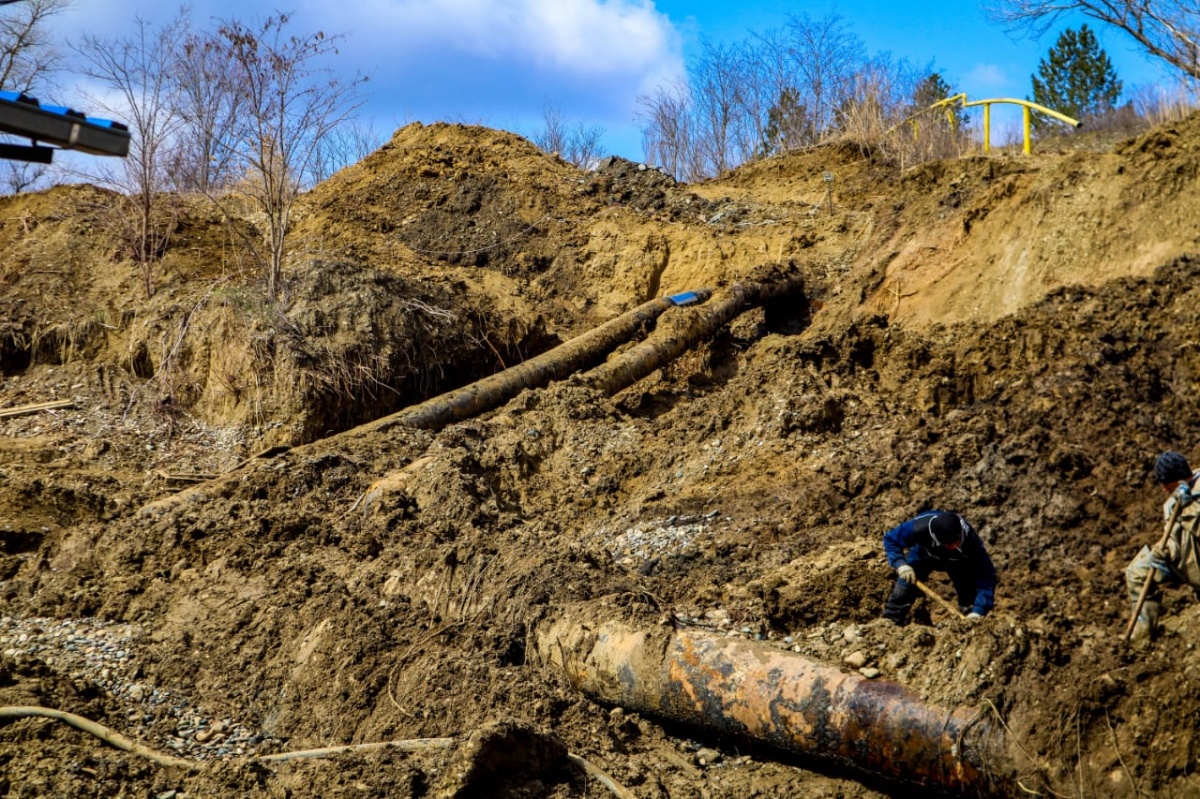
(939, 541)
(1175, 560)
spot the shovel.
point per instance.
(929, 592)
(1141, 600)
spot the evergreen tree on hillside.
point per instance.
(789, 125)
(1076, 78)
(932, 89)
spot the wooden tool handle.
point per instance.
(929, 592)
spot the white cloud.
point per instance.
(584, 37)
(495, 62)
(986, 77)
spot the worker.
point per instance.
(939, 541)
(1175, 559)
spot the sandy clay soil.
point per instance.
(207, 546)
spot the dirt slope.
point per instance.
(1014, 338)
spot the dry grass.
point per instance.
(1166, 104)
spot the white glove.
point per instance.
(973, 616)
(906, 573)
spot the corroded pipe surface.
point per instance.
(752, 689)
(644, 358)
(578, 353)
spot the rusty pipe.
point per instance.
(567, 358)
(644, 358)
(755, 690)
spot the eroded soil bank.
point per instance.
(1013, 338)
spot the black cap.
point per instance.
(945, 528)
(1171, 467)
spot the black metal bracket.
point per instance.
(22, 152)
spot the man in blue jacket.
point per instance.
(939, 541)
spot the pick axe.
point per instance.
(934, 595)
(1145, 592)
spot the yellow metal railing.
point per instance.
(1027, 107)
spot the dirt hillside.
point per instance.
(191, 552)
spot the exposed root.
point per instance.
(408, 745)
(1038, 765)
(116, 739)
(106, 734)
(601, 777)
(1116, 747)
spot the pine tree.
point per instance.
(1076, 78)
(932, 89)
(789, 125)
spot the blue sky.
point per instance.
(501, 62)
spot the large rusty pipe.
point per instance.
(578, 353)
(754, 690)
(664, 347)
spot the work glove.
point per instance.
(973, 616)
(907, 573)
(1160, 569)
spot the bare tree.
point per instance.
(771, 98)
(708, 125)
(722, 128)
(826, 58)
(667, 135)
(553, 136)
(19, 176)
(1167, 30)
(136, 73)
(27, 52)
(28, 56)
(345, 145)
(578, 144)
(289, 105)
(586, 145)
(209, 101)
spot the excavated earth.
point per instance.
(190, 556)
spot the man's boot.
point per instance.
(1146, 626)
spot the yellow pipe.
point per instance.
(1027, 109)
(1028, 105)
(950, 100)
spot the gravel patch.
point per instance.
(641, 546)
(104, 654)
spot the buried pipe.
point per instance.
(771, 282)
(617, 373)
(754, 690)
(579, 353)
(567, 358)
(642, 359)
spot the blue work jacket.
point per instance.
(910, 543)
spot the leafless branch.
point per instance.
(289, 104)
(1166, 30)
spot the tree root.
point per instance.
(407, 745)
(116, 739)
(106, 734)
(601, 777)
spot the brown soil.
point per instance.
(1011, 337)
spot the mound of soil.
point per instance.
(210, 553)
